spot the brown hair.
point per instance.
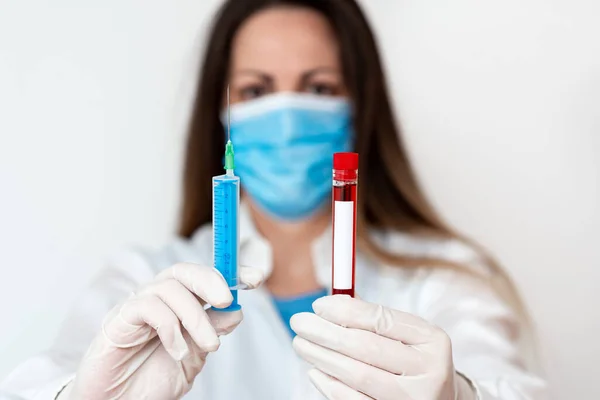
(390, 196)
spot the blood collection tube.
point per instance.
(344, 200)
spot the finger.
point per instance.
(333, 389)
(194, 362)
(353, 313)
(250, 277)
(368, 347)
(187, 309)
(359, 376)
(224, 322)
(205, 282)
(129, 327)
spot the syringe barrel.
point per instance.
(226, 198)
(344, 204)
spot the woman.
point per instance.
(428, 324)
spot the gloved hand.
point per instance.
(142, 351)
(366, 351)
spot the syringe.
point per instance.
(226, 200)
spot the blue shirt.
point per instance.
(288, 306)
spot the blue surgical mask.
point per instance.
(284, 145)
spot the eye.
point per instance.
(321, 89)
(252, 92)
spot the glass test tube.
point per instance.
(344, 201)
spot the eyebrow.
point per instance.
(309, 74)
(268, 78)
(247, 71)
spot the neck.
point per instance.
(291, 245)
(283, 233)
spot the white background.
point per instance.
(500, 103)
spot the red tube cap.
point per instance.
(345, 161)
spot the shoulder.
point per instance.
(139, 260)
(423, 252)
(444, 249)
(469, 275)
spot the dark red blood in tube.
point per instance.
(344, 201)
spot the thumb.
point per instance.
(250, 278)
(224, 322)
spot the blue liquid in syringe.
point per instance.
(226, 196)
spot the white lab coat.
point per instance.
(257, 362)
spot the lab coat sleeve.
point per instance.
(485, 334)
(43, 376)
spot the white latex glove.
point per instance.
(366, 351)
(154, 344)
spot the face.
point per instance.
(285, 49)
(283, 152)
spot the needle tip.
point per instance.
(228, 116)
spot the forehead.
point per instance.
(285, 39)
